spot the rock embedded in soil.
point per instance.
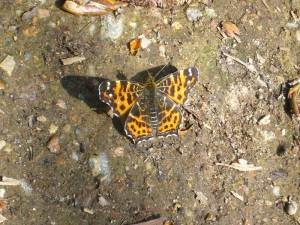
(8, 64)
(53, 144)
(193, 14)
(291, 207)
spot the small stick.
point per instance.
(248, 66)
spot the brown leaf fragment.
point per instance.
(134, 46)
(3, 206)
(230, 28)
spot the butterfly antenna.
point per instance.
(161, 70)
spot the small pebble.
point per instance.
(31, 120)
(2, 192)
(99, 166)
(41, 119)
(119, 151)
(27, 56)
(66, 128)
(264, 120)
(75, 156)
(53, 144)
(298, 35)
(278, 173)
(268, 203)
(209, 218)
(43, 13)
(102, 201)
(61, 104)
(92, 29)
(276, 191)
(112, 27)
(52, 129)
(8, 64)
(145, 42)
(243, 161)
(210, 12)
(291, 207)
(193, 14)
(26, 187)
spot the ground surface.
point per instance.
(97, 176)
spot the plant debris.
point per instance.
(9, 181)
(241, 167)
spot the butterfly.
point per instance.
(152, 108)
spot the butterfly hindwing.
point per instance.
(137, 125)
(169, 117)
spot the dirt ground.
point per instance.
(75, 163)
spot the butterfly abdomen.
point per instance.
(153, 120)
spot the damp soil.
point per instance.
(94, 174)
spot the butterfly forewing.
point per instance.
(120, 95)
(176, 86)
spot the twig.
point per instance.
(250, 67)
(267, 6)
(241, 167)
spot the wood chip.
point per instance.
(2, 218)
(241, 167)
(9, 181)
(159, 221)
(61, 104)
(237, 195)
(71, 60)
(2, 144)
(87, 210)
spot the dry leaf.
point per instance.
(134, 46)
(230, 28)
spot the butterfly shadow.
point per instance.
(86, 89)
(157, 72)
